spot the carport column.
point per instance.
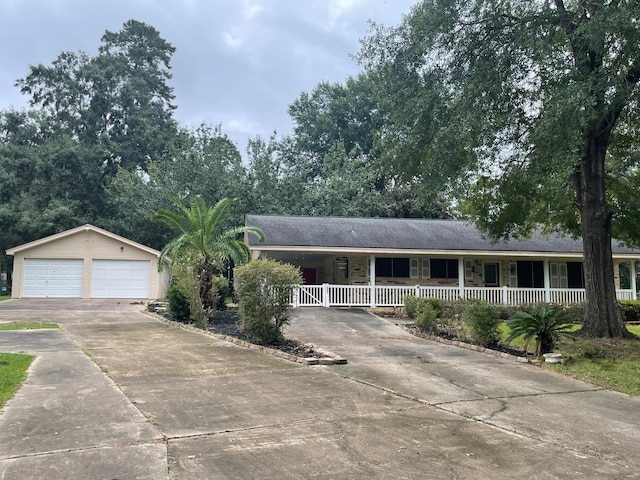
(461, 277)
(372, 281)
(547, 282)
(632, 274)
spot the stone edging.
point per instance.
(327, 358)
(469, 346)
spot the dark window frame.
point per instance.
(393, 267)
(445, 268)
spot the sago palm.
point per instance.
(543, 325)
(203, 244)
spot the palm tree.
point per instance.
(203, 246)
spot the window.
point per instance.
(575, 276)
(393, 267)
(530, 274)
(444, 268)
(624, 272)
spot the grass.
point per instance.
(27, 325)
(609, 363)
(13, 371)
(4, 297)
(612, 364)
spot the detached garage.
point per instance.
(87, 262)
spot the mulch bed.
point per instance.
(227, 322)
(448, 337)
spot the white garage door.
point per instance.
(120, 279)
(52, 278)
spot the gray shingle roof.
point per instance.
(399, 233)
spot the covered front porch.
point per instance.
(328, 295)
(383, 281)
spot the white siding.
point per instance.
(87, 246)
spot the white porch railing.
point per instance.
(327, 295)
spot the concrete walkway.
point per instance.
(163, 402)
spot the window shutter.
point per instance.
(426, 268)
(562, 275)
(414, 270)
(513, 274)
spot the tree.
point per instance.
(118, 100)
(203, 162)
(48, 182)
(204, 247)
(334, 152)
(523, 101)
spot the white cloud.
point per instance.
(251, 9)
(232, 39)
(338, 8)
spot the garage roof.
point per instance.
(83, 228)
(355, 233)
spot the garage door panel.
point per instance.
(52, 278)
(120, 279)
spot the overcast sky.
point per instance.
(237, 62)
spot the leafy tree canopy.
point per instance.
(203, 163)
(521, 103)
(120, 99)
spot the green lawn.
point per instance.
(4, 297)
(13, 371)
(613, 364)
(19, 325)
(13, 366)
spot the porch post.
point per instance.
(372, 281)
(461, 277)
(547, 282)
(632, 274)
(326, 298)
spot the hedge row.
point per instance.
(630, 309)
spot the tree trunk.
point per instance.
(602, 316)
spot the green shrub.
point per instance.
(414, 305)
(543, 325)
(630, 310)
(481, 323)
(436, 305)
(575, 312)
(264, 288)
(426, 318)
(453, 310)
(411, 306)
(219, 291)
(178, 303)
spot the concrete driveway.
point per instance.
(164, 402)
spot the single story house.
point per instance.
(377, 261)
(87, 262)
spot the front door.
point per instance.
(310, 276)
(492, 274)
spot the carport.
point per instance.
(87, 262)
